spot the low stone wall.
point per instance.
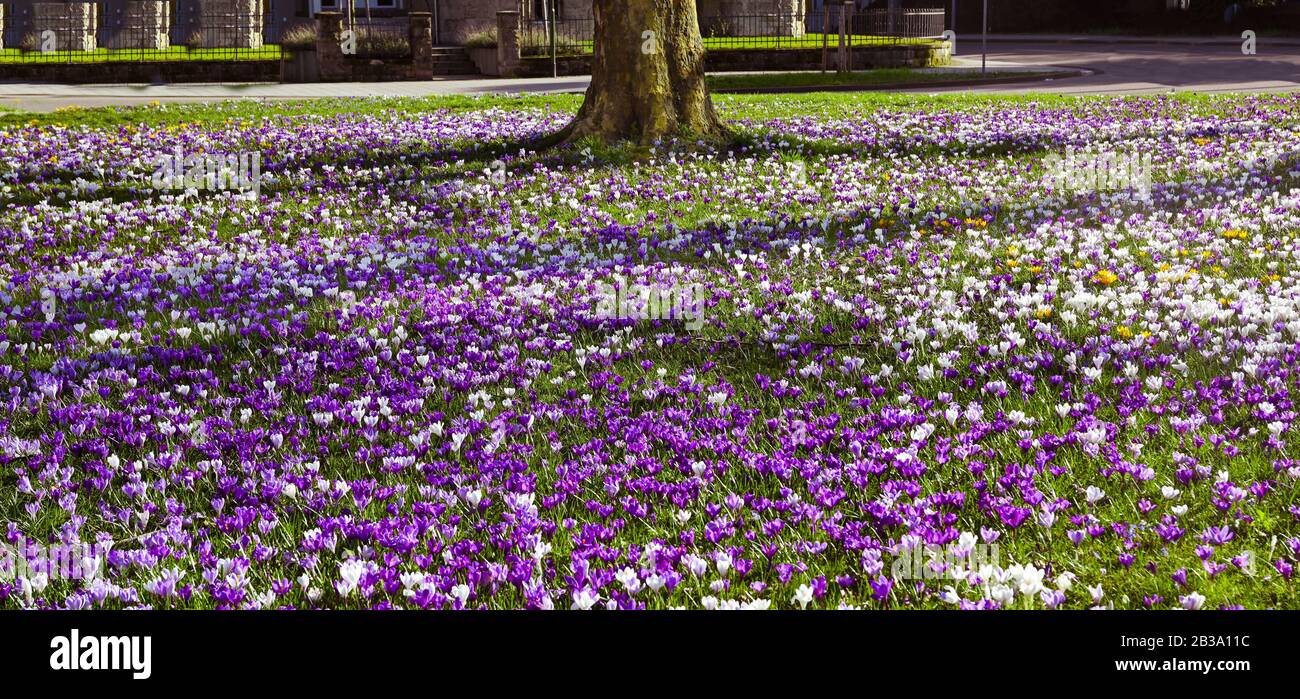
(485, 59)
(145, 25)
(541, 67)
(739, 60)
(865, 57)
(73, 24)
(145, 72)
(300, 66)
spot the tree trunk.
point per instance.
(647, 77)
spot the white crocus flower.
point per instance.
(803, 596)
(585, 599)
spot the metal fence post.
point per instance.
(849, 8)
(839, 68)
(555, 59)
(984, 41)
(826, 36)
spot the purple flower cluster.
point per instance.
(382, 381)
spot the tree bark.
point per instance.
(647, 78)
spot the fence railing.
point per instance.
(906, 24)
(812, 30)
(573, 37)
(775, 31)
(113, 31)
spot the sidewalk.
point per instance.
(46, 97)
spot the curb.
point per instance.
(801, 89)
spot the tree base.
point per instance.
(647, 77)
(611, 132)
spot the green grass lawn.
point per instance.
(736, 106)
(268, 52)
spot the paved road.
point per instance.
(1221, 39)
(1135, 68)
(1121, 66)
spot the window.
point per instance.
(541, 8)
(340, 5)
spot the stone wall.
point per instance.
(231, 24)
(420, 33)
(145, 72)
(508, 27)
(760, 7)
(333, 66)
(73, 24)
(753, 17)
(146, 24)
(787, 17)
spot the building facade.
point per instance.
(118, 21)
(453, 20)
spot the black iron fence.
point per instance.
(811, 30)
(776, 31)
(110, 31)
(573, 37)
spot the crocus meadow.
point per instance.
(922, 372)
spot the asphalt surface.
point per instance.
(1135, 68)
(1112, 66)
